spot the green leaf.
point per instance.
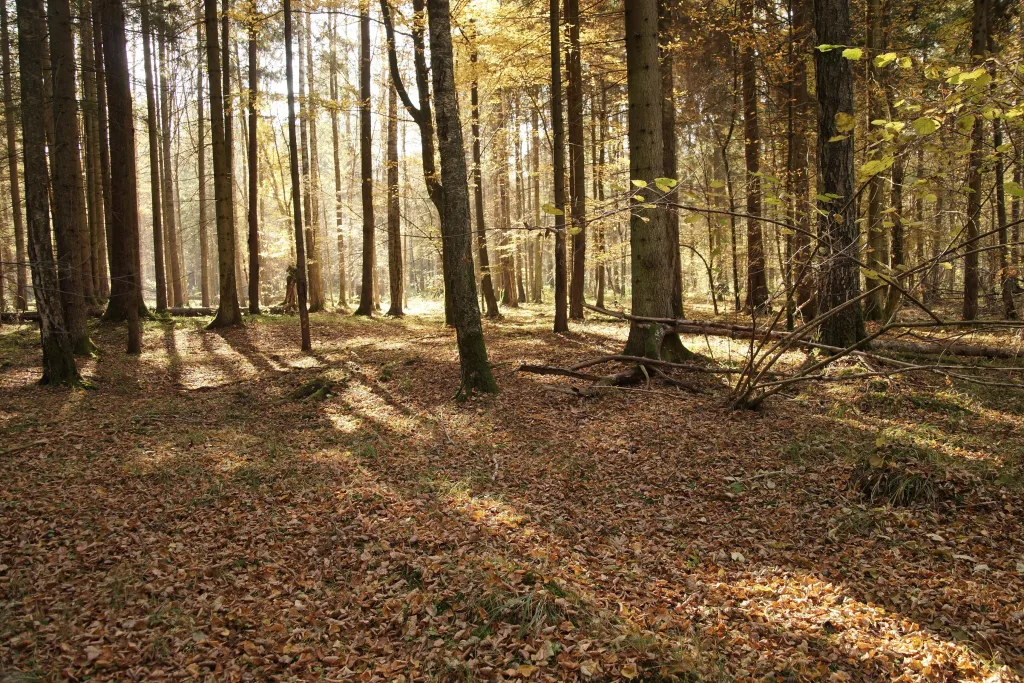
(1013, 189)
(882, 61)
(925, 125)
(838, 138)
(906, 62)
(853, 53)
(717, 184)
(965, 123)
(639, 198)
(552, 210)
(670, 182)
(845, 122)
(825, 47)
(874, 167)
(639, 183)
(822, 198)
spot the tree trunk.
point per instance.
(538, 241)
(317, 301)
(506, 256)
(486, 282)
(74, 251)
(600, 157)
(650, 251)
(897, 255)
(154, 162)
(877, 256)
(578, 184)
(799, 178)
(204, 238)
(94, 184)
(228, 312)
(1005, 281)
(837, 228)
(394, 209)
(456, 248)
(21, 273)
(293, 165)
(666, 11)
(366, 160)
(757, 283)
(558, 162)
(253, 159)
(979, 45)
(172, 244)
(58, 360)
(338, 210)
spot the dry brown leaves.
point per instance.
(187, 520)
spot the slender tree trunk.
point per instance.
(293, 165)
(799, 177)
(558, 161)
(486, 282)
(897, 256)
(317, 302)
(154, 162)
(757, 283)
(538, 241)
(69, 221)
(455, 228)
(602, 248)
(58, 360)
(366, 158)
(171, 242)
(228, 312)
(979, 44)
(578, 185)
(837, 227)
(877, 255)
(394, 208)
(338, 209)
(1005, 281)
(94, 191)
(506, 255)
(20, 267)
(253, 159)
(666, 11)
(204, 237)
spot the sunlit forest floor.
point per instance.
(193, 518)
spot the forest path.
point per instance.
(188, 520)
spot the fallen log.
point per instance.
(733, 331)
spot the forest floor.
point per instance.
(190, 518)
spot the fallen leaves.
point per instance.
(229, 534)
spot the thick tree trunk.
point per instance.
(204, 236)
(20, 257)
(837, 227)
(394, 209)
(293, 165)
(558, 163)
(253, 160)
(58, 360)
(578, 184)
(154, 162)
(757, 283)
(650, 251)
(366, 160)
(172, 243)
(338, 210)
(74, 249)
(457, 245)
(228, 312)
